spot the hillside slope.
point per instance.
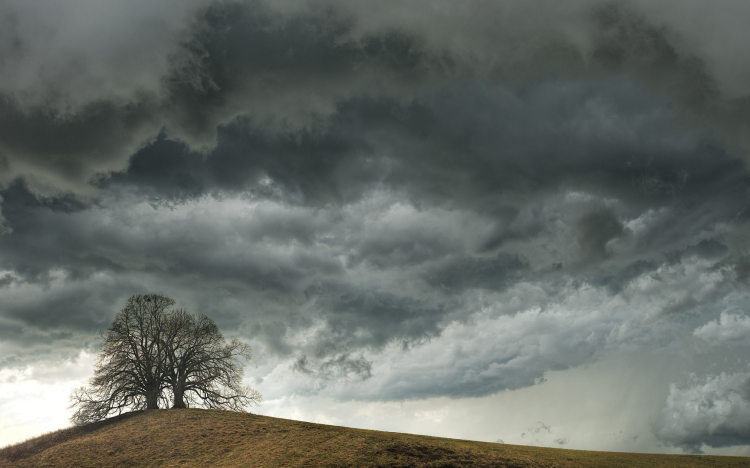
(203, 438)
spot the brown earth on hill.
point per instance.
(212, 438)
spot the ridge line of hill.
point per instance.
(215, 438)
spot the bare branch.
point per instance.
(152, 355)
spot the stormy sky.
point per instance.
(523, 222)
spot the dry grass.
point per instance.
(202, 438)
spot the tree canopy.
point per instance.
(153, 355)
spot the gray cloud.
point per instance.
(4, 228)
(260, 62)
(410, 201)
(79, 91)
(54, 152)
(595, 230)
(340, 366)
(711, 412)
(729, 327)
(494, 273)
(69, 55)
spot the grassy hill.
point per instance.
(203, 438)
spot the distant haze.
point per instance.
(517, 221)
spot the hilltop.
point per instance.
(209, 438)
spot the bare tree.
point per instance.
(152, 354)
(129, 372)
(203, 370)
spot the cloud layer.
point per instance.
(412, 201)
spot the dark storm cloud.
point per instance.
(473, 157)
(166, 167)
(248, 52)
(56, 151)
(742, 268)
(628, 40)
(625, 40)
(714, 412)
(302, 164)
(79, 88)
(493, 273)
(583, 137)
(292, 66)
(48, 236)
(55, 321)
(709, 249)
(339, 367)
(60, 314)
(4, 227)
(594, 230)
(619, 279)
(420, 208)
(359, 318)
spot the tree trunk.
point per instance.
(179, 394)
(152, 399)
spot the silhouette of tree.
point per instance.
(152, 355)
(201, 368)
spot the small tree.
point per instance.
(129, 371)
(151, 355)
(202, 369)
